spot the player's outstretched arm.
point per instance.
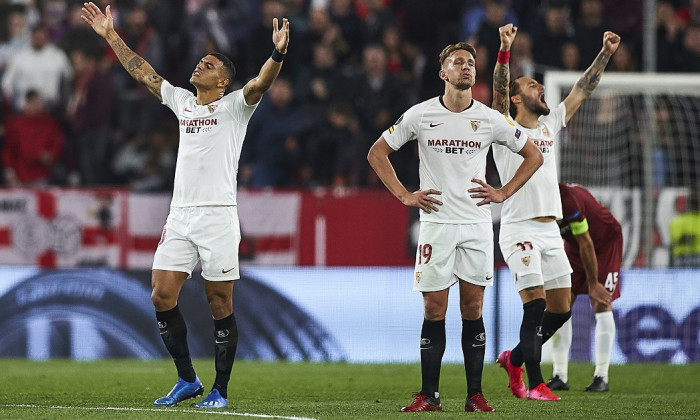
(256, 87)
(596, 291)
(135, 65)
(532, 160)
(591, 77)
(501, 72)
(378, 158)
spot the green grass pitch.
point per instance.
(125, 389)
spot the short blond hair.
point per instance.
(455, 47)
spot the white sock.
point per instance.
(604, 340)
(561, 344)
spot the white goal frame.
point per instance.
(559, 83)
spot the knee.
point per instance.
(162, 301)
(471, 309)
(434, 311)
(220, 306)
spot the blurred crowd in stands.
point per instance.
(71, 116)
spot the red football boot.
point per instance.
(542, 393)
(515, 375)
(423, 403)
(477, 403)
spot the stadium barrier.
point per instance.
(353, 314)
(66, 228)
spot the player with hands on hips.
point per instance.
(455, 245)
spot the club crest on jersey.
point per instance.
(418, 274)
(475, 124)
(545, 132)
(211, 108)
(526, 261)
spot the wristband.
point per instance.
(277, 56)
(503, 57)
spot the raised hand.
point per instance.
(93, 16)
(611, 41)
(280, 36)
(507, 34)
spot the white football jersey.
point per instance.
(539, 196)
(211, 137)
(452, 148)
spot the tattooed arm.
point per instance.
(135, 65)
(501, 72)
(591, 77)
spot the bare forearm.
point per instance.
(591, 77)
(590, 263)
(522, 174)
(501, 80)
(532, 160)
(254, 89)
(135, 65)
(385, 171)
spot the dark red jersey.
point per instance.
(579, 204)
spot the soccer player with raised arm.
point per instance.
(529, 238)
(455, 244)
(593, 243)
(203, 221)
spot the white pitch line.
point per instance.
(158, 410)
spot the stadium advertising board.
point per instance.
(359, 315)
(66, 228)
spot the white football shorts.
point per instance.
(449, 252)
(210, 234)
(535, 254)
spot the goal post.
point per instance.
(635, 141)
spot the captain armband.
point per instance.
(579, 228)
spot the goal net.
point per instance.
(635, 143)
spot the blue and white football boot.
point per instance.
(180, 392)
(213, 400)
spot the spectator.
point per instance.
(570, 57)
(343, 14)
(552, 37)
(685, 234)
(668, 25)
(496, 14)
(75, 35)
(88, 114)
(522, 60)
(157, 171)
(689, 13)
(130, 159)
(378, 98)
(42, 67)
(33, 142)
(272, 157)
(375, 18)
(16, 40)
(135, 107)
(482, 11)
(320, 81)
(321, 29)
(249, 55)
(688, 52)
(624, 59)
(328, 148)
(589, 27)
